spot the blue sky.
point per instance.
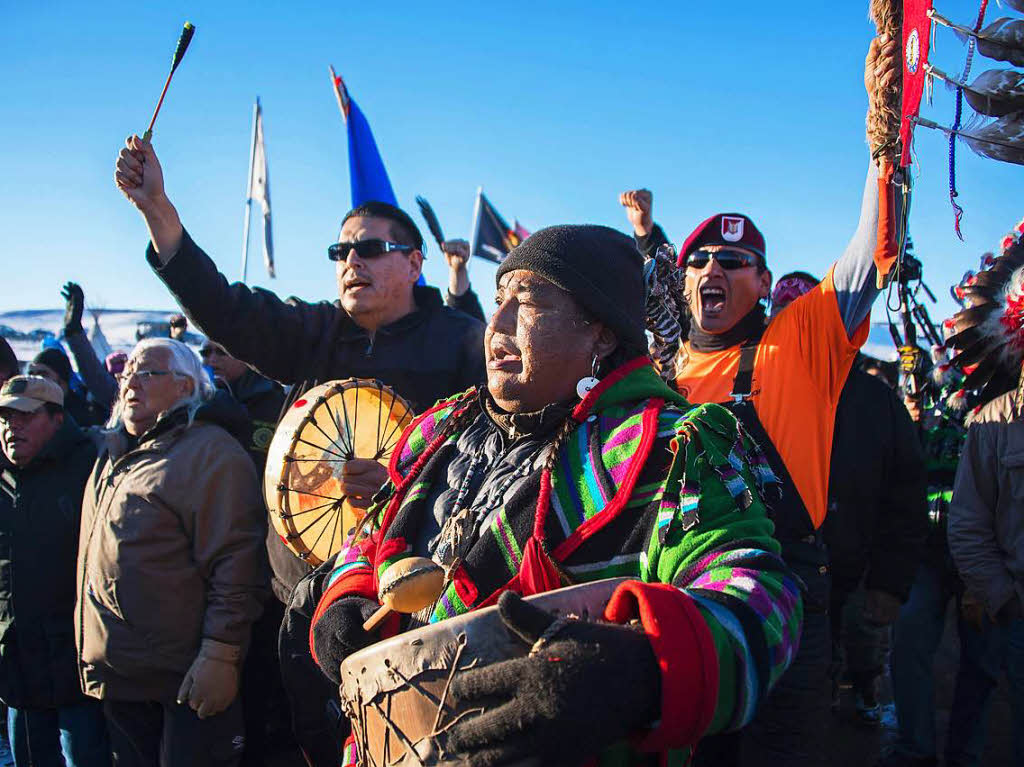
(554, 108)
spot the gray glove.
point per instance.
(211, 683)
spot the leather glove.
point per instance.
(880, 607)
(339, 633)
(211, 683)
(74, 305)
(587, 686)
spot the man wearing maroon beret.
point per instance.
(783, 381)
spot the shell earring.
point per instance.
(585, 384)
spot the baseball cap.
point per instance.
(29, 393)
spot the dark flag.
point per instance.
(493, 238)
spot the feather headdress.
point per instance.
(987, 335)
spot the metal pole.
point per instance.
(476, 225)
(248, 191)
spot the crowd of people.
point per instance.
(775, 506)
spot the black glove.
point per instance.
(339, 633)
(74, 305)
(585, 687)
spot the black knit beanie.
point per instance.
(57, 361)
(599, 267)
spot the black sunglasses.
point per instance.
(365, 249)
(727, 258)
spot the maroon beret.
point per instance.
(724, 229)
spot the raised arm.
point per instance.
(278, 338)
(98, 381)
(855, 273)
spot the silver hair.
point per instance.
(184, 363)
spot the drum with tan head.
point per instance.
(395, 691)
(327, 426)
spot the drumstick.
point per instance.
(179, 54)
(408, 586)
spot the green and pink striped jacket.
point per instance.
(649, 488)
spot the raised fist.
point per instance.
(456, 253)
(138, 174)
(882, 66)
(638, 204)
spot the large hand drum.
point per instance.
(327, 426)
(395, 691)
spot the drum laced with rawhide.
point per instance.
(395, 692)
(327, 426)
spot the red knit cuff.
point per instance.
(685, 651)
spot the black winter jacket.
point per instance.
(427, 355)
(40, 511)
(878, 514)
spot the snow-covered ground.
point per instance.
(118, 328)
(25, 329)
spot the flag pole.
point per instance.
(476, 225)
(248, 191)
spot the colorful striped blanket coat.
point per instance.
(646, 487)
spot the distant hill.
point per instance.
(25, 329)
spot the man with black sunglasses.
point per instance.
(382, 326)
(783, 381)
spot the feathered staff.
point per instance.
(988, 333)
(432, 223)
(179, 54)
(996, 92)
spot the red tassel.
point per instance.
(537, 574)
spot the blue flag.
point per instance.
(367, 176)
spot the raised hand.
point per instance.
(138, 174)
(639, 204)
(882, 66)
(456, 255)
(140, 178)
(74, 306)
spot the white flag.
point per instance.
(260, 189)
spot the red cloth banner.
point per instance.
(917, 27)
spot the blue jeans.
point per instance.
(75, 736)
(916, 638)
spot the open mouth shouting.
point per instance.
(712, 299)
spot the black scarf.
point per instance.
(750, 328)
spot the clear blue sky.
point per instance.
(553, 107)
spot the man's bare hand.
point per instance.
(361, 478)
(456, 254)
(638, 204)
(882, 67)
(137, 173)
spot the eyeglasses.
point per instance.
(144, 376)
(365, 249)
(727, 258)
